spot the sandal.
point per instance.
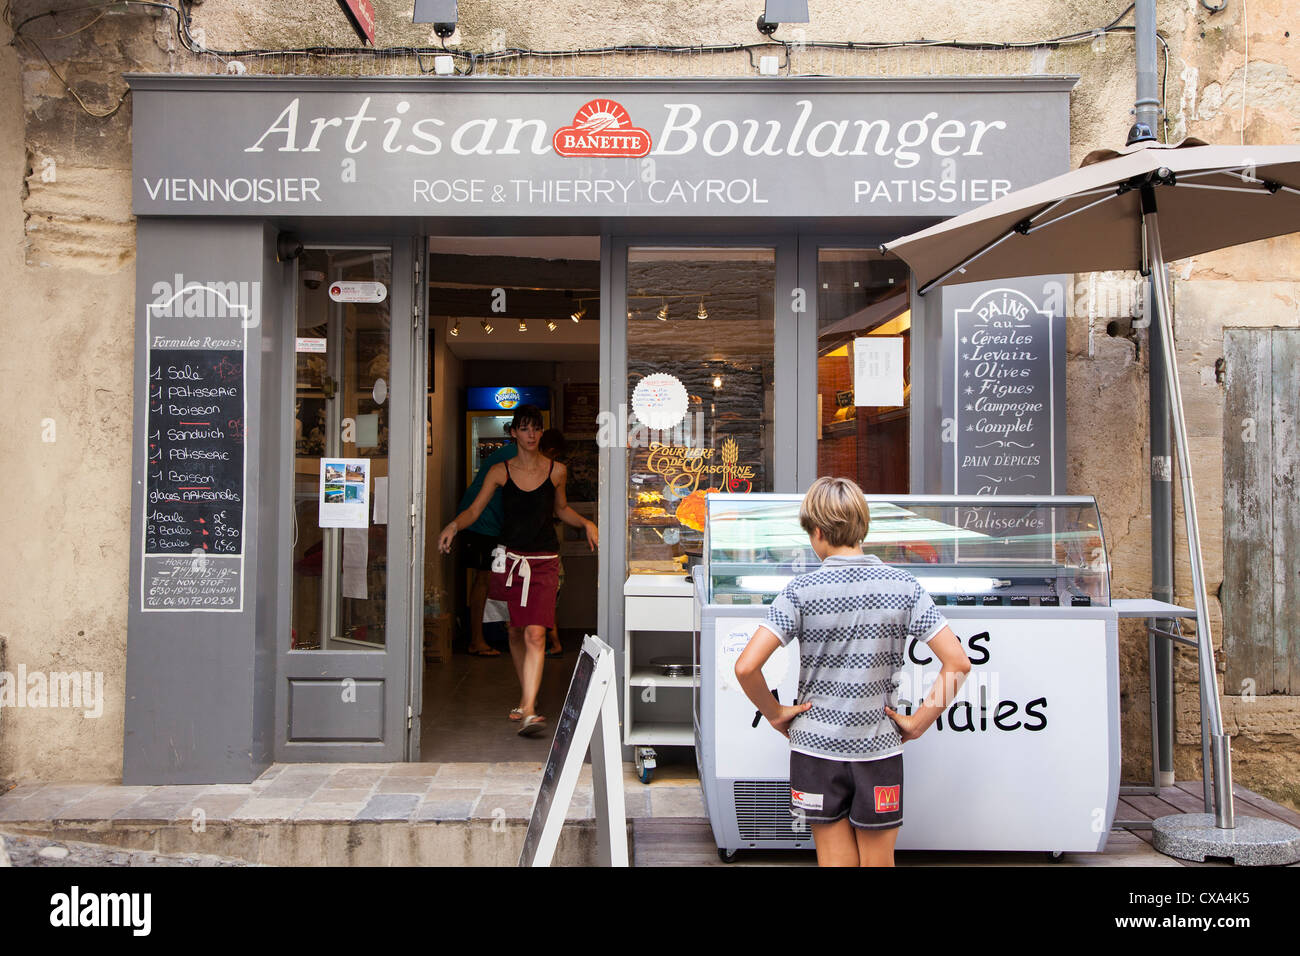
(515, 714)
(533, 725)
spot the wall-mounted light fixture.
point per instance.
(441, 13)
(777, 12)
(717, 381)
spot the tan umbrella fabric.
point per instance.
(1084, 225)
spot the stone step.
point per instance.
(326, 842)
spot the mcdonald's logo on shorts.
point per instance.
(887, 798)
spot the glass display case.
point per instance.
(965, 550)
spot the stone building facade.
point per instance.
(67, 237)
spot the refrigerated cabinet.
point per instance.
(1025, 758)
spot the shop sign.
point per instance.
(602, 128)
(362, 15)
(358, 291)
(683, 468)
(512, 147)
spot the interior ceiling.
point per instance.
(543, 277)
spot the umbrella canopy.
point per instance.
(1090, 219)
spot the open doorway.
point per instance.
(512, 321)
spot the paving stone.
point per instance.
(676, 802)
(216, 807)
(461, 775)
(300, 785)
(389, 806)
(354, 779)
(413, 770)
(448, 804)
(259, 808)
(330, 811)
(340, 796)
(404, 784)
(512, 806)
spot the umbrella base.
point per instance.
(1253, 842)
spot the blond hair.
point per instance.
(836, 506)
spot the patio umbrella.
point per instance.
(1130, 210)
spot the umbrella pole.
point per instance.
(1219, 742)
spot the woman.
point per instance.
(532, 493)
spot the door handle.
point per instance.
(328, 386)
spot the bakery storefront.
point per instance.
(342, 286)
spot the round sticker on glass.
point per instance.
(659, 401)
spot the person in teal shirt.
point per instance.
(477, 542)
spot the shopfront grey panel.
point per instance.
(199, 671)
(590, 147)
(315, 714)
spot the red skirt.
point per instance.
(528, 585)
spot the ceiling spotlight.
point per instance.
(455, 329)
(578, 313)
(523, 326)
(702, 313)
(550, 325)
(487, 326)
(663, 312)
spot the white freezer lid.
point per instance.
(1149, 607)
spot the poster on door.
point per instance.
(344, 492)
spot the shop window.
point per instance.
(862, 301)
(700, 393)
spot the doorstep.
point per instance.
(404, 814)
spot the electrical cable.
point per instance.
(474, 60)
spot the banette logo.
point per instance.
(601, 128)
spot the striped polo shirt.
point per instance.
(853, 617)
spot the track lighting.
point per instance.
(703, 313)
(487, 326)
(550, 325)
(455, 329)
(663, 312)
(578, 313)
(523, 326)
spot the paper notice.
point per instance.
(356, 543)
(381, 500)
(878, 371)
(344, 498)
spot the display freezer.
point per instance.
(1027, 755)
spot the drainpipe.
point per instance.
(1146, 112)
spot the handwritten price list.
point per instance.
(194, 482)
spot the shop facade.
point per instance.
(91, 249)
(724, 215)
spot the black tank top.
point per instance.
(529, 524)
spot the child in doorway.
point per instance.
(853, 617)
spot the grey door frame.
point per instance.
(613, 394)
(390, 667)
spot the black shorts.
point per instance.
(868, 792)
(477, 550)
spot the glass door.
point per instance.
(344, 656)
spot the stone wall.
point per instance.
(68, 248)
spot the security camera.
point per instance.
(287, 246)
(312, 279)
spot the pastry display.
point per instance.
(691, 509)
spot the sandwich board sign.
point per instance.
(589, 719)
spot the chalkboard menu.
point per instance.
(194, 474)
(1007, 364)
(559, 755)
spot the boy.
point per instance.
(853, 617)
